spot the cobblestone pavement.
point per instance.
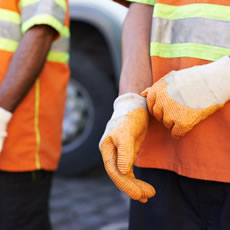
(88, 203)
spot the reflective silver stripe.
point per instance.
(61, 45)
(49, 7)
(191, 30)
(10, 30)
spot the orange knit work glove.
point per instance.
(123, 137)
(183, 98)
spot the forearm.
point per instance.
(25, 66)
(136, 65)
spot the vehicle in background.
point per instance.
(95, 62)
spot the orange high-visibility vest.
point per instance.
(186, 33)
(34, 133)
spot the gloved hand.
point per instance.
(122, 139)
(183, 98)
(5, 117)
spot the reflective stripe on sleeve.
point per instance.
(192, 11)
(191, 30)
(43, 19)
(9, 30)
(60, 48)
(206, 52)
(61, 45)
(53, 55)
(8, 45)
(10, 16)
(43, 7)
(61, 57)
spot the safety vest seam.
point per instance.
(36, 124)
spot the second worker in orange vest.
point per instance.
(34, 75)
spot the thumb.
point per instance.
(179, 131)
(151, 99)
(145, 92)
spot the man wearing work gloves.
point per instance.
(33, 77)
(182, 147)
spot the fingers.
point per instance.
(151, 99)
(155, 101)
(148, 190)
(168, 123)
(150, 94)
(185, 122)
(124, 183)
(167, 119)
(125, 156)
(135, 189)
(158, 110)
(143, 200)
(164, 103)
(158, 104)
(179, 131)
(145, 92)
(107, 149)
(127, 153)
(128, 139)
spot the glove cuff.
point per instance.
(127, 103)
(217, 77)
(5, 117)
(122, 105)
(201, 86)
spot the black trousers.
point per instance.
(24, 200)
(181, 203)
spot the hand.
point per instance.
(184, 98)
(5, 117)
(123, 137)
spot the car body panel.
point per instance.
(107, 17)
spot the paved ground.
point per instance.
(88, 203)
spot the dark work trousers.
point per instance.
(24, 200)
(181, 203)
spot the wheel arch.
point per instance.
(106, 17)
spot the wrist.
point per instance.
(127, 103)
(123, 104)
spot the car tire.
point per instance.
(82, 153)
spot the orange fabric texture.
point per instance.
(119, 150)
(11, 5)
(34, 133)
